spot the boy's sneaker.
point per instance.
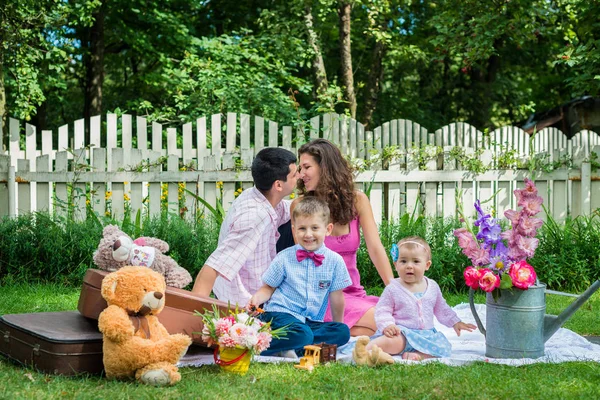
(286, 354)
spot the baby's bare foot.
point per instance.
(412, 356)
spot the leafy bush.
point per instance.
(37, 247)
(568, 256)
(448, 261)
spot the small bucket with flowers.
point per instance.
(515, 302)
(238, 336)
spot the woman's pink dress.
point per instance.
(357, 301)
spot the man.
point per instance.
(248, 235)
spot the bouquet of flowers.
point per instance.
(499, 258)
(238, 330)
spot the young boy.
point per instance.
(299, 281)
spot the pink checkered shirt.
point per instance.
(246, 245)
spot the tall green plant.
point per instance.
(568, 255)
(218, 212)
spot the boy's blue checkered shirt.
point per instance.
(302, 289)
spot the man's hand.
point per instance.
(205, 281)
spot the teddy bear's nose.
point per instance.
(116, 245)
(158, 295)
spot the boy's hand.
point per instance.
(254, 310)
(251, 306)
(391, 331)
(461, 326)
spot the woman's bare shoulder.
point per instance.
(361, 200)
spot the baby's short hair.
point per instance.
(415, 241)
(311, 206)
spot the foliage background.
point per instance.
(486, 62)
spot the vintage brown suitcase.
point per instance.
(177, 316)
(63, 342)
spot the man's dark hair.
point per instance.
(271, 164)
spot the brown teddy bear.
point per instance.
(373, 357)
(135, 343)
(116, 250)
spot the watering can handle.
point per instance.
(474, 312)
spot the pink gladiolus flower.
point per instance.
(478, 257)
(509, 235)
(488, 281)
(531, 205)
(530, 189)
(522, 275)
(514, 253)
(465, 238)
(513, 216)
(528, 226)
(527, 245)
(471, 277)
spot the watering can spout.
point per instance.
(553, 322)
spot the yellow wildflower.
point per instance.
(107, 213)
(108, 195)
(88, 202)
(219, 184)
(293, 196)
(125, 183)
(126, 197)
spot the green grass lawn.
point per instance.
(478, 380)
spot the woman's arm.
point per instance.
(371, 234)
(337, 302)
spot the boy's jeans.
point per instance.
(301, 334)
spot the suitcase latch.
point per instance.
(36, 350)
(7, 336)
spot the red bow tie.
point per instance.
(301, 255)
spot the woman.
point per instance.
(326, 174)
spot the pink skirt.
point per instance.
(356, 306)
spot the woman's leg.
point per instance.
(391, 345)
(366, 324)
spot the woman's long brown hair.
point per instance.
(336, 183)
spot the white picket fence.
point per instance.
(109, 175)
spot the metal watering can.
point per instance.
(517, 323)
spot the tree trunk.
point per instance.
(95, 67)
(374, 83)
(40, 119)
(3, 115)
(347, 75)
(483, 79)
(318, 66)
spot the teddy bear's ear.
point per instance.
(109, 230)
(109, 286)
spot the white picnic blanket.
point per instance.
(565, 345)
